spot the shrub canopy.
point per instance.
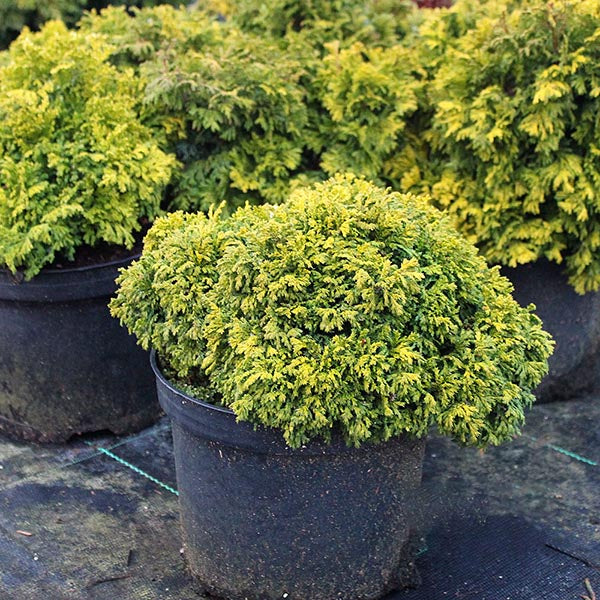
(237, 116)
(373, 22)
(137, 34)
(17, 14)
(279, 94)
(76, 165)
(516, 130)
(230, 102)
(347, 307)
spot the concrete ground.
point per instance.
(97, 519)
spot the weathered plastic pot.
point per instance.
(261, 521)
(66, 366)
(574, 322)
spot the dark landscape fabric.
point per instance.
(98, 518)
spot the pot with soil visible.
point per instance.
(304, 352)
(79, 173)
(66, 366)
(572, 319)
(263, 520)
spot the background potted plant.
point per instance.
(513, 158)
(80, 176)
(229, 102)
(274, 95)
(303, 352)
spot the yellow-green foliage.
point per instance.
(259, 104)
(430, 35)
(377, 22)
(230, 102)
(76, 165)
(346, 307)
(435, 30)
(241, 115)
(366, 96)
(139, 33)
(16, 14)
(516, 128)
(361, 84)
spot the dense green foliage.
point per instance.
(434, 31)
(241, 115)
(16, 14)
(231, 102)
(138, 34)
(346, 307)
(366, 96)
(516, 135)
(361, 82)
(266, 101)
(453, 102)
(374, 22)
(76, 165)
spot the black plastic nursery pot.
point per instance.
(66, 366)
(262, 521)
(574, 322)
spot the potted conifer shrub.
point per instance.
(303, 351)
(515, 161)
(79, 178)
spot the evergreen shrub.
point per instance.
(230, 102)
(434, 31)
(76, 165)
(516, 128)
(431, 32)
(17, 14)
(366, 98)
(373, 22)
(347, 308)
(236, 115)
(137, 34)
(266, 101)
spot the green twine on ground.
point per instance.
(139, 471)
(568, 453)
(136, 469)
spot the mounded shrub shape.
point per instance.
(296, 108)
(361, 83)
(76, 165)
(348, 306)
(516, 104)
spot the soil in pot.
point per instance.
(262, 521)
(66, 366)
